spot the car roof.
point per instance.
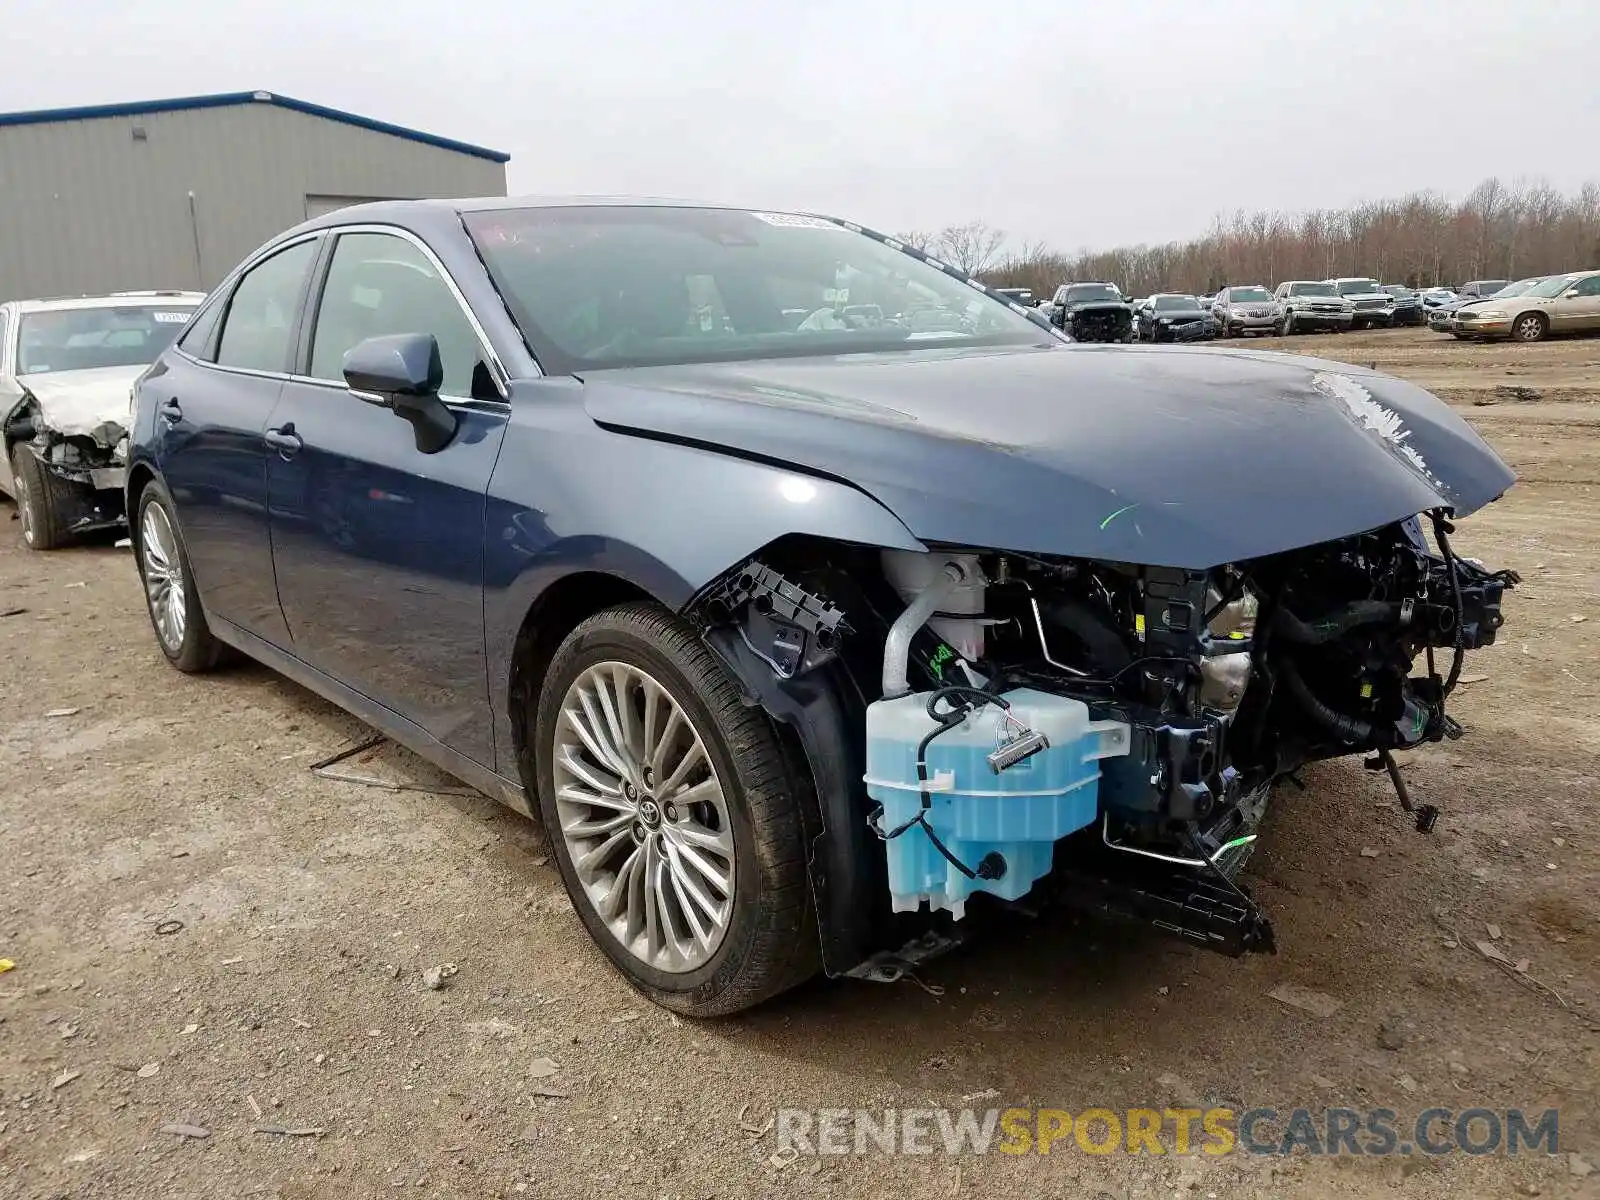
(119, 299)
(400, 210)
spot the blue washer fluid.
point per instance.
(1018, 814)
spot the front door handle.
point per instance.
(284, 440)
(171, 411)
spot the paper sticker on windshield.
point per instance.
(794, 221)
(170, 318)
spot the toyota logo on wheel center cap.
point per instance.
(649, 812)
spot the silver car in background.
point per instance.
(1247, 309)
(67, 367)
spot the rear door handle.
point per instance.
(284, 440)
(171, 411)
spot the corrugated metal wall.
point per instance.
(87, 206)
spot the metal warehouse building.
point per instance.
(173, 193)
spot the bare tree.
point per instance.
(1498, 231)
(916, 239)
(972, 247)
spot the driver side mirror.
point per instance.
(403, 373)
(1570, 294)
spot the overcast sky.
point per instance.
(1082, 124)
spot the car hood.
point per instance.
(78, 403)
(1157, 456)
(1188, 313)
(1354, 296)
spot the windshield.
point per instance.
(1395, 289)
(1090, 293)
(1249, 295)
(1351, 287)
(81, 339)
(1175, 304)
(1516, 289)
(1312, 289)
(620, 286)
(1552, 287)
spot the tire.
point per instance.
(43, 501)
(176, 617)
(1288, 325)
(767, 940)
(1530, 327)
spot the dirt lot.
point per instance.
(292, 994)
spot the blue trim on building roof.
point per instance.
(228, 99)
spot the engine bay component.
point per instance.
(974, 792)
(1102, 733)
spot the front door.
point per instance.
(378, 547)
(211, 405)
(1579, 307)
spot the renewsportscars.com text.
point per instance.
(1210, 1131)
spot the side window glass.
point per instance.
(198, 337)
(379, 284)
(259, 328)
(5, 342)
(1589, 286)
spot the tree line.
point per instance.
(1498, 231)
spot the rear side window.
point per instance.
(258, 331)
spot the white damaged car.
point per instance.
(67, 368)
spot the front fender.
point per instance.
(568, 497)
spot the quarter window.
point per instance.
(258, 332)
(379, 284)
(199, 339)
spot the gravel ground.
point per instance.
(207, 935)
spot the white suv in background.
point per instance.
(1372, 305)
(1311, 304)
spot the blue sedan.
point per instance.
(687, 530)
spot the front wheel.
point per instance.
(675, 815)
(1287, 327)
(43, 501)
(1530, 327)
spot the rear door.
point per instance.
(378, 547)
(211, 405)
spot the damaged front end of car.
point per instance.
(82, 458)
(1099, 733)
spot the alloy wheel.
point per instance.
(644, 818)
(24, 506)
(163, 578)
(1530, 329)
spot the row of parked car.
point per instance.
(1526, 310)
(1098, 311)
